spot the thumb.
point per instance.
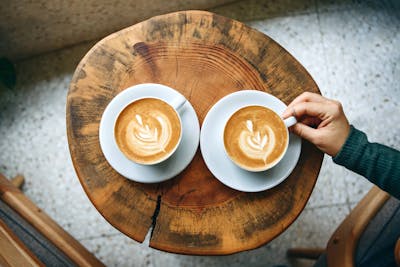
(304, 131)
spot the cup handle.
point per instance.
(290, 121)
(178, 102)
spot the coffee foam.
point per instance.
(255, 137)
(147, 130)
(258, 144)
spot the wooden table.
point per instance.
(204, 56)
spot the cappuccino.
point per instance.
(148, 131)
(255, 138)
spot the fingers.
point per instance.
(305, 131)
(326, 115)
(311, 121)
(303, 98)
(307, 97)
(313, 109)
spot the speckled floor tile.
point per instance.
(357, 187)
(331, 185)
(361, 47)
(119, 250)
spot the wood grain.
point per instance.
(205, 57)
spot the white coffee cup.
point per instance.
(256, 138)
(145, 130)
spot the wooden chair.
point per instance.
(13, 251)
(342, 245)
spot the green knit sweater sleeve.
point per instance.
(378, 163)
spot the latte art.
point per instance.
(148, 130)
(255, 138)
(254, 144)
(148, 140)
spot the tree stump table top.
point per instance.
(205, 57)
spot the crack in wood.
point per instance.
(155, 215)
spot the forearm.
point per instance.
(378, 163)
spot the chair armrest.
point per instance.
(16, 200)
(397, 252)
(13, 252)
(343, 243)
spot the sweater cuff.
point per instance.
(352, 149)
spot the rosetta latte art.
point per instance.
(255, 138)
(147, 131)
(149, 138)
(256, 145)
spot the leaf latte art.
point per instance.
(255, 138)
(255, 145)
(147, 131)
(149, 140)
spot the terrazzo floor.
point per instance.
(351, 48)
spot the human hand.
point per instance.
(320, 121)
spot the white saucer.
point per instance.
(212, 147)
(164, 170)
